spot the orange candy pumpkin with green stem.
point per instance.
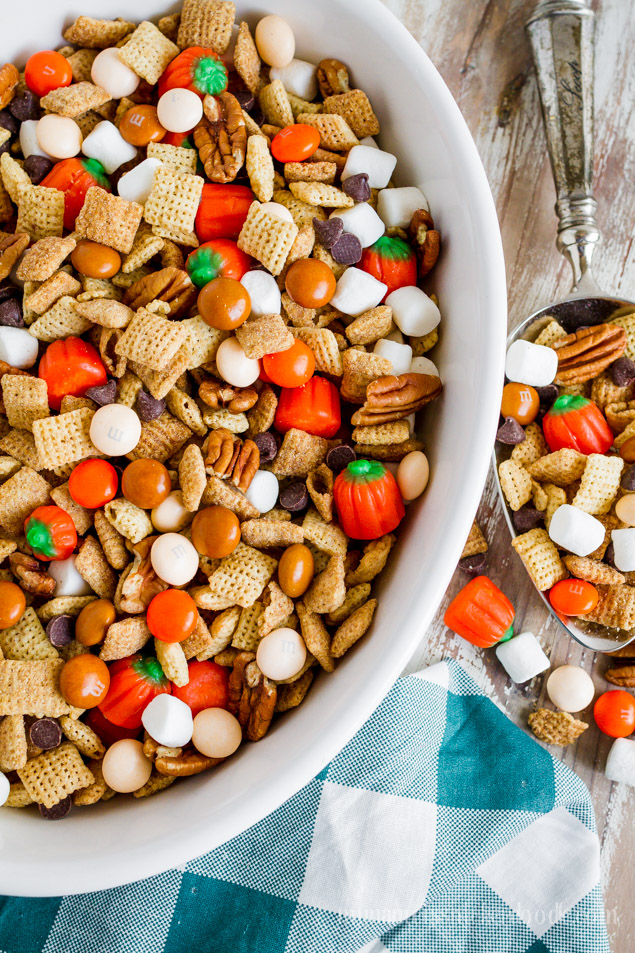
(367, 500)
(134, 682)
(481, 613)
(392, 261)
(219, 258)
(74, 177)
(197, 68)
(577, 423)
(50, 532)
(222, 210)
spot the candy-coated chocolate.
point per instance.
(291, 368)
(115, 430)
(310, 282)
(111, 73)
(68, 581)
(295, 143)
(570, 688)
(234, 366)
(215, 531)
(46, 71)
(413, 474)
(16, 349)
(84, 681)
(573, 597)
(520, 401)
(627, 450)
(140, 125)
(95, 260)
(70, 367)
(217, 733)
(93, 622)
(125, 767)
(295, 570)
(263, 491)
(172, 615)
(614, 713)
(281, 654)
(224, 304)
(625, 509)
(169, 721)
(5, 788)
(93, 483)
(275, 41)
(174, 559)
(12, 604)
(146, 483)
(171, 515)
(59, 136)
(179, 110)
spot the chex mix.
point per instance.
(213, 344)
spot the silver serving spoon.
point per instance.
(561, 34)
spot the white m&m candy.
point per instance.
(263, 291)
(575, 530)
(174, 559)
(413, 311)
(217, 733)
(532, 364)
(125, 767)
(412, 475)
(280, 211)
(59, 136)
(179, 110)
(111, 73)
(68, 580)
(168, 720)
(171, 515)
(115, 430)
(18, 347)
(275, 41)
(357, 291)
(281, 654)
(378, 164)
(262, 492)
(624, 549)
(234, 366)
(5, 788)
(570, 688)
(396, 207)
(522, 657)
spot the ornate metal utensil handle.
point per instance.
(561, 33)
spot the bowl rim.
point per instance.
(139, 862)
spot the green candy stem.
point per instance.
(365, 471)
(150, 669)
(39, 538)
(96, 169)
(507, 635)
(203, 266)
(568, 402)
(210, 76)
(395, 249)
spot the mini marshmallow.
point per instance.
(368, 141)
(413, 311)
(106, 144)
(28, 140)
(263, 291)
(378, 164)
(262, 492)
(532, 364)
(299, 78)
(395, 335)
(169, 721)
(18, 347)
(624, 549)
(423, 365)
(5, 788)
(399, 355)
(362, 221)
(69, 582)
(522, 657)
(397, 206)
(357, 291)
(575, 530)
(136, 185)
(620, 764)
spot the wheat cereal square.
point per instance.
(275, 104)
(55, 774)
(310, 172)
(599, 484)
(21, 445)
(13, 743)
(178, 158)
(541, 558)
(93, 566)
(62, 320)
(269, 534)
(19, 496)
(174, 199)
(74, 100)
(150, 339)
(532, 448)
(264, 334)
(108, 219)
(356, 109)
(516, 483)
(32, 688)
(40, 212)
(42, 259)
(81, 517)
(124, 638)
(599, 573)
(328, 590)
(26, 641)
(83, 737)
(299, 453)
(267, 238)
(316, 636)
(59, 285)
(555, 727)
(361, 368)
(192, 477)
(206, 23)
(25, 400)
(259, 165)
(148, 52)
(160, 438)
(97, 34)
(561, 467)
(319, 193)
(335, 132)
(246, 59)
(248, 632)
(353, 628)
(129, 520)
(241, 577)
(475, 542)
(615, 607)
(145, 246)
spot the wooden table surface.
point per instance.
(480, 49)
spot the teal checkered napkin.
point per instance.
(441, 827)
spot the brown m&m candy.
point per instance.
(146, 483)
(215, 532)
(295, 570)
(93, 622)
(224, 304)
(12, 604)
(84, 681)
(140, 125)
(310, 282)
(95, 260)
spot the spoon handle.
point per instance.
(561, 34)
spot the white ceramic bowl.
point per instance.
(125, 839)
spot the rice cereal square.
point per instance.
(174, 199)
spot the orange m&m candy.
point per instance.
(46, 71)
(573, 597)
(172, 615)
(140, 125)
(310, 282)
(521, 402)
(295, 143)
(84, 681)
(93, 483)
(12, 604)
(290, 368)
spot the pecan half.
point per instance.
(392, 398)
(187, 764)
(623, 676)
(141, 585)
(589, 351)
(9, 79)
(11, 247)
(171, 284)
(221, 137)
(252, 697)
(236, 400)
(10, 369)
(332, 77)
(223, 448)
(246, 466)
(30, 574)
(427, 240)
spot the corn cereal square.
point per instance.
(65, 438)
(266, 237)
(148, 52)
(174, 199)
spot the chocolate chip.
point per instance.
(510, 433)
(245, 98)
(11, 314)
(267, 445)
(25, 106)
(58, 811)
(473, 565)
(328, 232)
(9, 291)
(104, 394)
(338, 458)
(526, 518)
(294, 498)
(45, 733)
(347, 250)
(7, 121)
(60, 630)
(609, 555)
(149, 408)
(5, 146)
(257, 114)
(628, 478)
(622, 371)
(37, 167)
(357, 187)
(547, 394)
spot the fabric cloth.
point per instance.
(441, 827)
